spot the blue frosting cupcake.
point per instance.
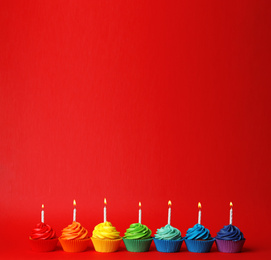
(198, 239)
(230, 239)
(230, 232)
(168, 239)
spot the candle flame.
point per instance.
(199, 205)
(169, 203)
(105, 201)
(74, 203)
(231, 205)
(42, 206)
(139, 204)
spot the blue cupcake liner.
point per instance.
(168, 246)
(199, 246)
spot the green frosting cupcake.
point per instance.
(137, 231)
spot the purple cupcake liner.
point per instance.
(199, 246)
(168, 246)
(229, 246)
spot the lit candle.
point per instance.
(42, 213)
(139, 213)
(169, 212)
(231, 205)
(74, 211)
(199, 216)
(105, 209)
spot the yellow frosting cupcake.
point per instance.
(106, 238)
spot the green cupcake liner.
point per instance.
(137, 245)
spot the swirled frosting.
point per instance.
(198, 232)
(74, 231)
(230, 232)
(105, 231)
(137, 231)
(168, 233)
(42, 231)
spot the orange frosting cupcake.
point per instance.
(74, 231)
(74, 238)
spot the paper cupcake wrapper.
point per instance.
(229, 246)
(168, 246)
(74, 246)
(199, 246)
(43, 245)
(106, 245)
(137, 245)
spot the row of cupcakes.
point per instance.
(137, 238)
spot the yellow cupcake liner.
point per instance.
(106, 245)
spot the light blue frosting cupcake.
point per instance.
(198, 232)
(168, 233)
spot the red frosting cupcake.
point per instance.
(43, 238)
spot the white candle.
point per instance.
(42, 213)
(169, 213)
(231, 205)
(74, 211)
(104, 209)
(199, 216)
(139, 213)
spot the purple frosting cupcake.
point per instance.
(230, 239)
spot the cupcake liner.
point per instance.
(168, 246)
(137, 245)
(74, 246)
(199, 246)
(229, 246)
(43, 245)
(106, 245)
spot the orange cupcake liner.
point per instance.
(74, 246)
(106, 245)
(43, 245)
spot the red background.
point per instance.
(135, 101)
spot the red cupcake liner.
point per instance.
(43, 245)
(229, 246)
(74, 246)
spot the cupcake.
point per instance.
(43, 238)
(168, 239)
(198, 239)
(230, 239)
(106, 238)
(74, 238)
(137, 238)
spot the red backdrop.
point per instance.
(134, 101)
